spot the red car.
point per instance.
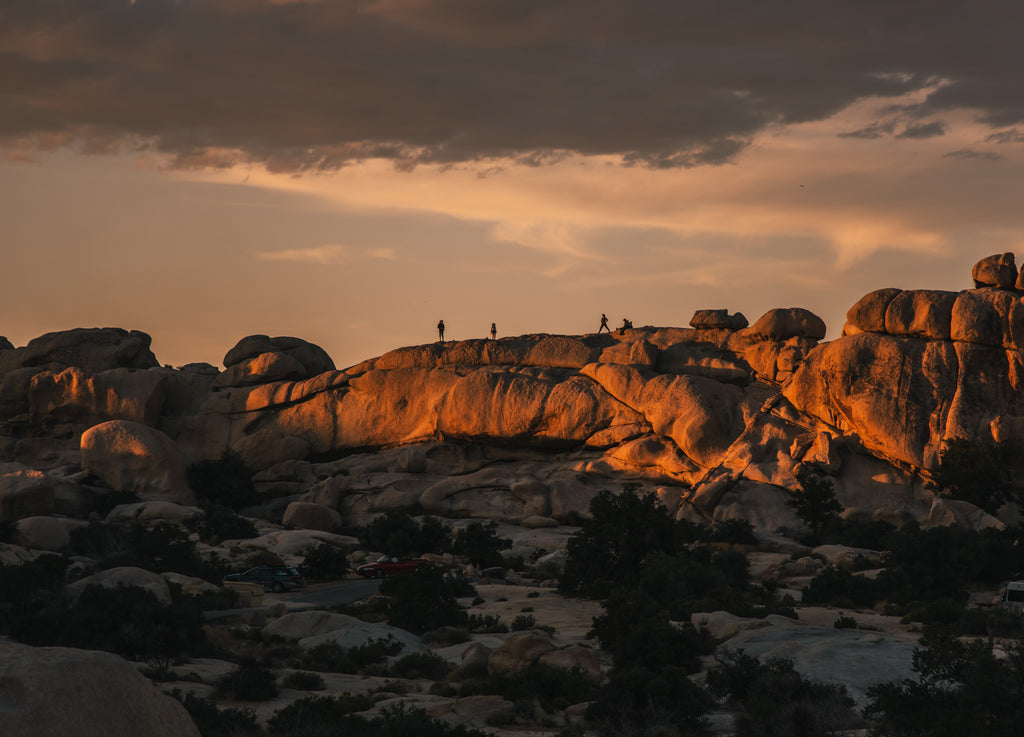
(389, 566)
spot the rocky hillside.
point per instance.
(716, 418)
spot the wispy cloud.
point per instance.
(321, 255)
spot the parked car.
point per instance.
(389, 565)
(274, 578)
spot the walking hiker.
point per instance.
(604, 324)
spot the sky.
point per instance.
(351, 171)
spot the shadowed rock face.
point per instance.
(715, 419)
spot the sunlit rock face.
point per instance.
(917, 368)
(716, 419)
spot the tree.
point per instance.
(480, 544)
(423, 600)
(973, 472)
(815, 502)
(226, 481)
(962, 688)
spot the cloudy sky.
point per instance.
(350, 171)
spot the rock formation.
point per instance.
(715, 418)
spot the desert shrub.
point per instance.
(324, 563)
(734, 532)
(480, 544)
(815, 502)
(523, 622)
(974, 472)
(774, 700)
(870, 534)
(330, 657)
(445, 636)
(939, 563)
(424, 600)
(962, 687)
(317, 716)
(128, 620)
(553, 689)
(423, 664)
(611, 547)
(845, 622)
(161, 548)
(839, 588)
(226, 481)
(30, 587)
(639, 701)
(304, 681)
(213, 721)
(397, 533)
(222, 523)
(485, 624)
(249, 681)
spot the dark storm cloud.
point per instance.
(968, 153)
(312, 85)
(923, 130)
(878, 129)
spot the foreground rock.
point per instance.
(61, 691)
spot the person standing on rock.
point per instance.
(494, 331)
(440, 330)
(604, 324)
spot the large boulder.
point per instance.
(519, 652)
(999, 271)
(57, 691)
(73, 395)
(317, 627)
(124, 577)
(309, 516)
(25, 492)
(47, 533)
(129, 456)
(310, 358)
(789, 322)
(90, 349)
(718, 320)
(868, 314)
(920, 313)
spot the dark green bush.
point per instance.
(222, 523)
(226, 481)
(553, 689)
(249, 681)
(330, 657)
(423, 664)
(640, 701)
(612, 546)
(423, 601)
(304, 681)
(974, 472)
(734, 532)
(318, 716)
(397, 533)
(962, 688)
(324, 563)
(839, 588)
(213, 721)
(485, 623)
(772, 699)
(815, 502)
(844, 622)
(523, 622)
(480, 544)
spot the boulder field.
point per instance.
(716, 418)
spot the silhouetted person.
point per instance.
(604, 324)
(494, 331)
(626, 325)
(440, 330)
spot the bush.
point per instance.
(215, 722)
(330, 657)
(424, 600)
(974, 472)
(815, 503)
(523, 622)
(638, 701)
(304, 681)
(318, 715)
(734, 532)
(424, 664)
(773, 699)
(226, 482)
(250, 681)
(480, 544)
(839, 588)
(396, 533)
(844, 622)
(485, 624)
(612, 546)
(553, 689)
(222, 523)
(324, 563)
(961, 688)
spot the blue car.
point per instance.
(273, 578)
